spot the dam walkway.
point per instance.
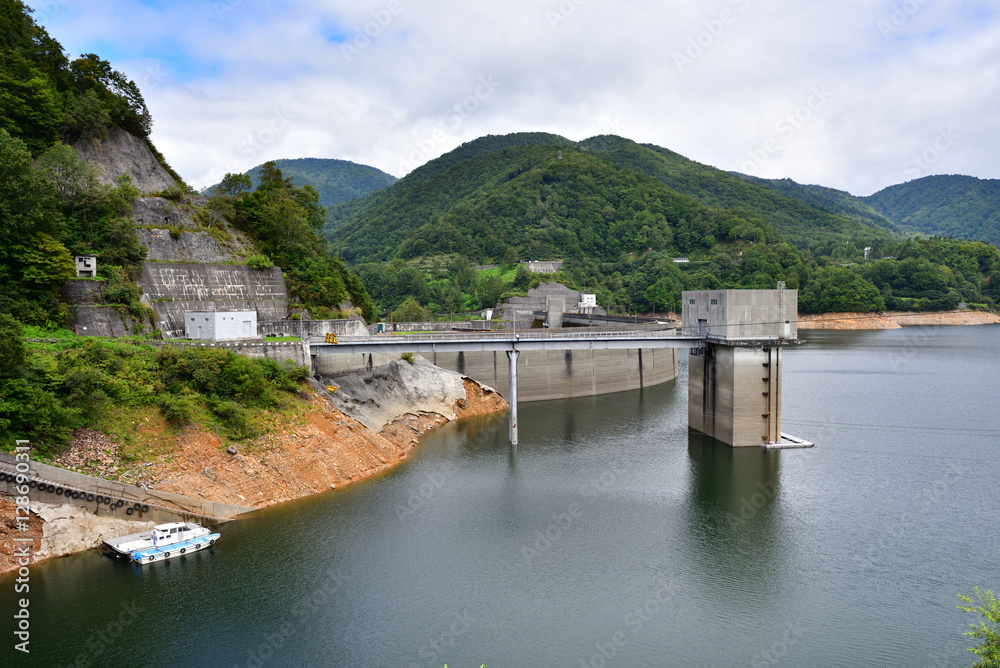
(513, 343)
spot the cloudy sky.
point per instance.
(853, 94)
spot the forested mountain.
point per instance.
(335, 181)
(801, 223)
(618, 212)
(831, 200)
(956, 206)
(430, 192)
(54, 206)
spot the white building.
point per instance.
(219, 325)
(86, 266)
(587, 302)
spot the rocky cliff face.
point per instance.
(121, 153)
(187, 232)
(379, 396)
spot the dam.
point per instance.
(734, 337)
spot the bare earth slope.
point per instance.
(320, 449)
(895, 319)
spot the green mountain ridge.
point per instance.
(336, 181)
(963, 207)
(453, 181)
(837, 202)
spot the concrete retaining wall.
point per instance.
(109, 321)
(173, 289)
(312, 328)
(83, 292)
(542, 375)
(191, 509)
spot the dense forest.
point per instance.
(947, 205)
(619, 213)
(53, 206)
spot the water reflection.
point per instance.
(735, 519)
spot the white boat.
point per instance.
(164, 541)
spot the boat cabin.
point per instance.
(173, 532)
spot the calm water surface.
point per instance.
(612, 538)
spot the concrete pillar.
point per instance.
(734, 394)
(555, 307)
(512, 356)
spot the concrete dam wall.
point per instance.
(542, 375)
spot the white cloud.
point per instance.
(234, 83)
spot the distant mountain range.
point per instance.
(962, 207)
(336, 181)
(505, 177)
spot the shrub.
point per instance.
(234, 417)
(179, 409)
(258, 261)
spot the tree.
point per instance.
(235, 186)
(988, 631)
(411, 311)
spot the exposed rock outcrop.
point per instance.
(69, 529)
(121, 153)
(895, 319)
(377, 397)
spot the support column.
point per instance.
(734, 394)
(512, 356)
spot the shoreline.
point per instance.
(323, 449)
(895, 319)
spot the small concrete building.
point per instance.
(86, 266)
(734, 381)
(220, 325)
(739, 315)
(587, 302)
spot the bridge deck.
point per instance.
(504, 341)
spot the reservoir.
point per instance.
(612, 537)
